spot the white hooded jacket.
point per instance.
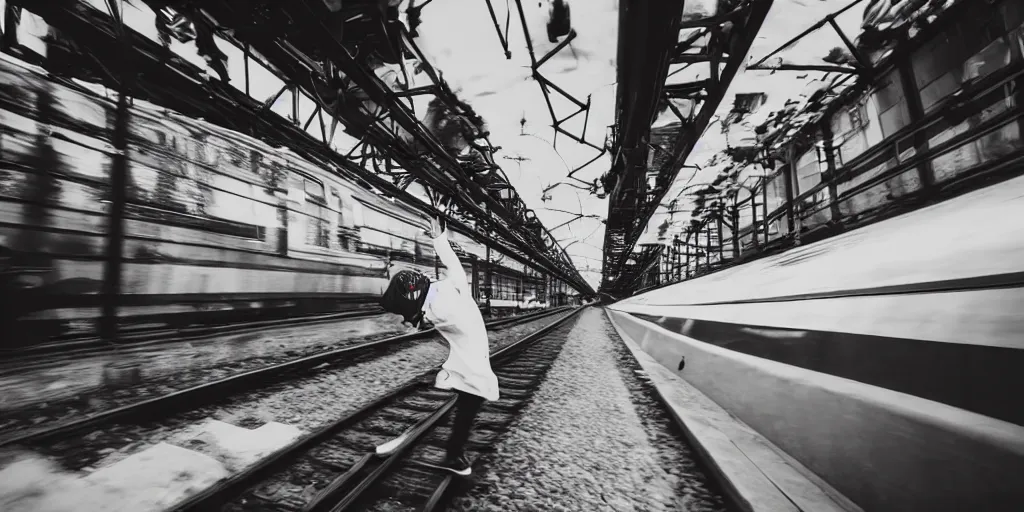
(453, 311)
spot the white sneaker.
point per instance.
(389, 447)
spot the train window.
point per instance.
(317, 227)
(314, 191)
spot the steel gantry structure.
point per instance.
(655, 45)
(321, 50)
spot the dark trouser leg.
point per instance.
(466, 408)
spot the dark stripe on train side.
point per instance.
(282, 264)
(1005, 280)
(35, 299)
(977, 378)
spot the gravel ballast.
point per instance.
(593, 439)
(327, 393)
(69, 377)
(74, 388)
(330, 395)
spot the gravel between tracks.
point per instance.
(587, 443)
(306, 403)
(330, 395)
(67, 377)
(75, 389)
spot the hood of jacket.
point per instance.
(405, 296)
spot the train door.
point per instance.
(345, 229)
(309, 216)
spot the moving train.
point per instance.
(218, 225)
(883, 359)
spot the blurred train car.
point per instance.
(219, 226)
(884, 359)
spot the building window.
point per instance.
(893, 113)
(974, 49)
(808, 172)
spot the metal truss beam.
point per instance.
(309, 15)
(648, 43)
(167, 80)
(449, 177)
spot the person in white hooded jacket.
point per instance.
(449, 305)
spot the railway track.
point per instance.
(53, 353)
(148, 337)
(335, 468)
(162, 406)
(142, 339)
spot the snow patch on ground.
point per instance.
(235, 446)
(150, 480)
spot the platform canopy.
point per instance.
(677, 57)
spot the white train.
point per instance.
(884, 359)
(218, 224)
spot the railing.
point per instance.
(908, 169)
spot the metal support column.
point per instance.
(709, 245)
(667, 259)
(735, 214)
(793, 189)
(699, 249)
(830, 162)
(118, 192)
(916, 110)
(679, 260)
(476, 278)
(489, 277)
(686, 245)
(787, 178)
(675, 258)
(721, 241)
(753, 219)
(764, 207)
(710, 232)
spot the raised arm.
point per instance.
(456, 274)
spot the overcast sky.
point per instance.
(460, 38)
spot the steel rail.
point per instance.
(340, 504)
(213, 497)
(149, 337)
(212, 391)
